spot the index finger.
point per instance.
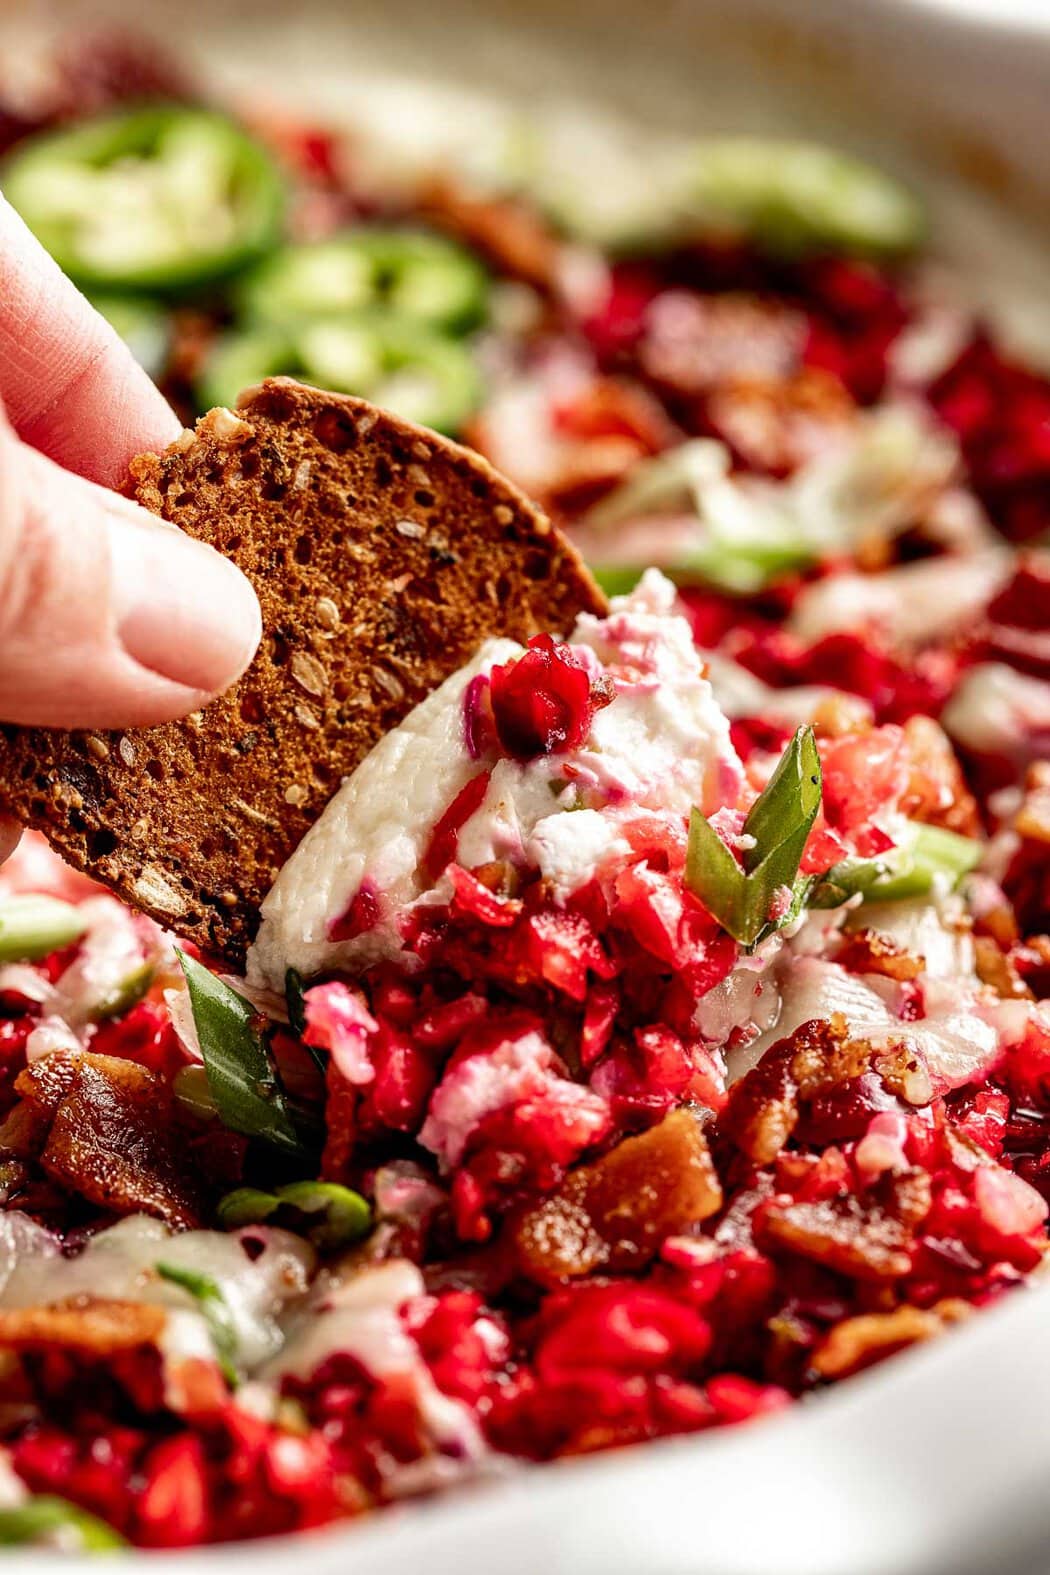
(71, 386)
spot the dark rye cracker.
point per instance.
(382, 556)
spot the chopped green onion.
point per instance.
(246, 1206)
(345, 1215)
(741, 897)
(241, 1073)
(214, 1308)
(740, 568)
(908, 870)
(123, 996)
(32, 927)
(614, 579)
(850, 878)
(929, 852)
(40, 1518)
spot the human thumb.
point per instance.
(108, 617)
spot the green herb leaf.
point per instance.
(32, 927)
(241, 1072)
(739, 896)
(215, 1309)
(41, 1517)
(344, 1214)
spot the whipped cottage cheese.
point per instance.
(661, 744)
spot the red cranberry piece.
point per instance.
(543, 703)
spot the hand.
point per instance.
(108, 617)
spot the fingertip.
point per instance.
(10, 836)
(182, 610)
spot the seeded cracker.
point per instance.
(383, 556)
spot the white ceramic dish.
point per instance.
(939, 1460)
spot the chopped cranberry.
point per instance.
(544, 701)
(363, 914)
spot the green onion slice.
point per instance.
(923, 856)
(126, 994)
(241, 1072)
(214, 1308)
(344, 1215)
(741, 896)
(46, 1517)
(32, 927)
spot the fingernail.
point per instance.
(182, 609)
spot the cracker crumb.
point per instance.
(225, 427)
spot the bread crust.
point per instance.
(382, 556)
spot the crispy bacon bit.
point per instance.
(997, 968)
(870, 951)
(856, 1343)
(1027, 880)
(604, 430)
(508, 234)
(936, 792)
(691, 342)
(616, 1213)
(775, 424)
(840, 1234)
(1018, 618)
(106, 1127)
(86, 1325)
(822, 1073)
